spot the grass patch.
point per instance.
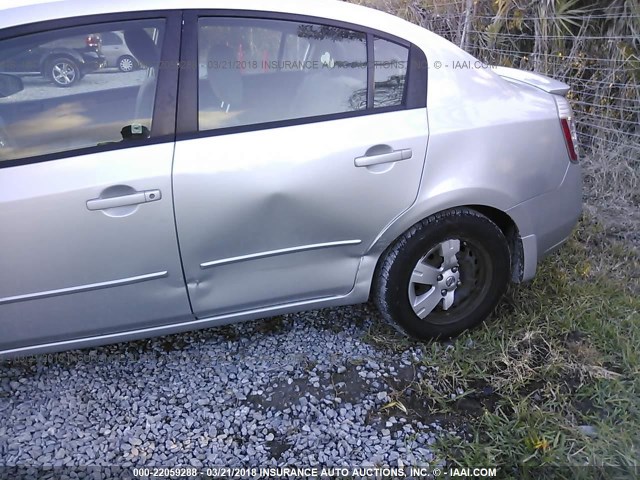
(554, 379)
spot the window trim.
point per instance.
(406, 84)
(371, 73)
(164, 113)
(414, 95)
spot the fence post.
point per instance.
(468, 16)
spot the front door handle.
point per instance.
(387, 157)
(124, 200)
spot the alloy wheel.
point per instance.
(449, 276)
(63, 73)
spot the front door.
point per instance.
(88, 244)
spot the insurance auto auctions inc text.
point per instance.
(355, 472)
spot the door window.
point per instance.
(254, 71)
(67, 100)
(391, 64)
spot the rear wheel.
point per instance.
(63, 72)
(444, 275)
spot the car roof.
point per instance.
(20, 12)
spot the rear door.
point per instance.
(88, 244)
(294, 155)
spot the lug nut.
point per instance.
(439, 278)
(443, 292)
(459, 283)
(454, 269)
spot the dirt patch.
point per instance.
(349, 386)
(620, 222)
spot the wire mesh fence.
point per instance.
(592, 45)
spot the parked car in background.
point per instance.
(283, 167)
(116, 52)
(63, 61)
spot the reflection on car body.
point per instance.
(117, 53)
(63, 61)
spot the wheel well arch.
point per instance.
(504, 222)
(47, 59)
(511, 233)
(500, 218)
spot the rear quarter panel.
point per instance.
(491, 142)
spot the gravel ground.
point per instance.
(298, 390)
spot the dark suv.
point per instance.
(63, 61)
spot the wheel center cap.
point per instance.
(449, 279)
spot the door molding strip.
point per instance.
(83, 288)
(273, 253)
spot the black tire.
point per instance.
(64, 72)
(127, 64)
(484, 254)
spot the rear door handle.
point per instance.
(394, 156)
(124, 200)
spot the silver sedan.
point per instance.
(274, 156)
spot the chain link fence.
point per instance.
(594, 46)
